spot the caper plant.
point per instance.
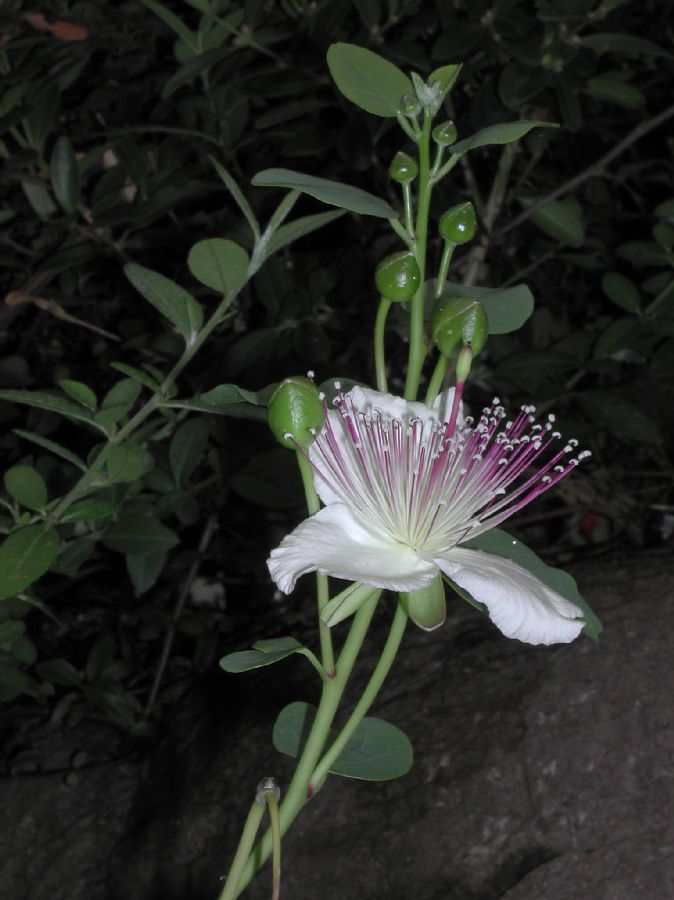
(403, 495)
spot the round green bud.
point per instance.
(459, 322)
(445, 133)
(398, 277)
(296, 414)
(459, 224)
(403, 169)
(409, 106)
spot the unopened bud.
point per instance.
(427, 607)
(403, 169)
(398, 277)
(296, 414)
(267, 786)
(409, 106)
(459, 224)
(459, 321)
(445, 134)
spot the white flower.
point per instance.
(403, 487)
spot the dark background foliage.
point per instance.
(144, 94)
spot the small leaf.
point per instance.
(622, 291)
(137, 375)
(226, 394)
(368, 80)
(187, 447)
(614, 90)
(346, 603)
(26, 486)
(172, 301)
(293, 231)
(505, 133)
(139, 534)
(24, 556)
(377, 750)
(621, 43)
(332, 192)
(640, 253)
(264, 653)
(52, 446)
(100, 656)
(50, 402)
(144, 569)
(237, 194)
(79, 392)
(89, 510)
(219, 264)
(501, 543)
(127, 462)
(59, 671)
(13, 682)
(619, 415)
(65, 176)
(562, 220)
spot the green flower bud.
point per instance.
(403, 169)
(426, 606)
(296, 413)
(457, 322)
(398, 277)
(409, 106)
(445, 133)
(459, 224)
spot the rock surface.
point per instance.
(539, 772)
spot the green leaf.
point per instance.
(24, 556)
(503, 544)
(264, 653)
(346, 603)
(137, 375)
(11, 631)
(505, 133)
(225, 394)
(368, 80)
(377, 750)
(139, 534)
(26, 486)
(173, 22)
(621, 43)
(332, 192)
(89, 510)
(127, 462)
(607, 409)
(507, 308)
(100, 656)
(562, 220)
(144, 569)
(79, 392)
(52, 446)
(13, 682)
(530, 369)
(219, 264)
(614, 90)
(446, 77)
(291, 232)
(622, 291)
(239, 198)
(59, 671)
(65, 175)
(187, 447)
(640, 253)
(172, 301)
(117, 402)
(50, 402)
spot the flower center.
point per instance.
(430, 484)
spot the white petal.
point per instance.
(519, 604)
(336, 543)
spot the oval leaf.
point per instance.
(186, 448)
(368, 80)
(332, 192)
(505, 133)
(89, 510)
(126, 462)
(26, 486)
(172, 301)
(79, 392)
(50, 402)
(562, 220)
(140, 534)
(377, 750)
(507, 308)
(24, 556)
(65, 176)
(622, 291)
(144, 569)
(219, 264)
(264, 653)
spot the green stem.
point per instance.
(660, 298)
(322, 588)
(153, 403)
(243, 850)
(446, 259)
(407, 203)
(380, 672)
(447, 168)
(417, 351)
(438, 376)
(379, 331)
(272, 804)
(296, 796)
(397, 226)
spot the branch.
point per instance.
(595, 168)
